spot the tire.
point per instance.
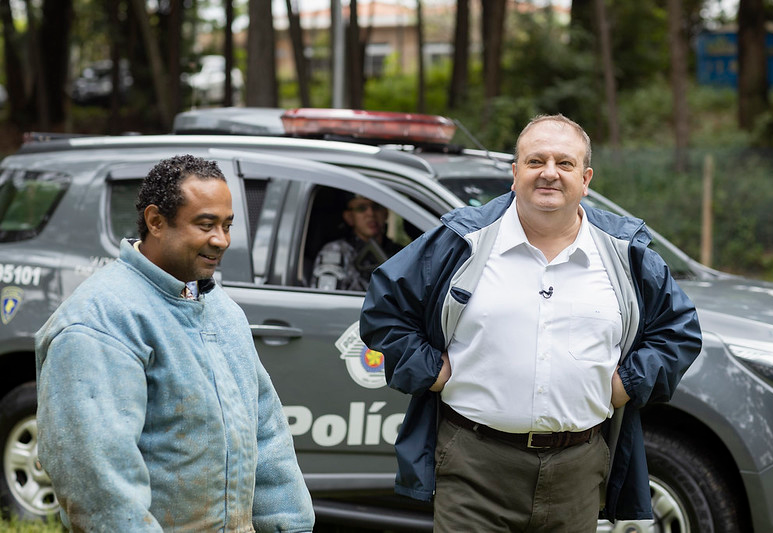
(25, 488)
(690, 493)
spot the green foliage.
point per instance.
(642, 180)
(14, 525)
(396, 91)
(556, 71)
(639, 32)
(494, 124)
(762, 134)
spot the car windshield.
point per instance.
(478, 191)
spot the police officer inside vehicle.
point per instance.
(346, 264)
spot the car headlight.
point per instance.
(757, 357)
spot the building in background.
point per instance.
(391, 34)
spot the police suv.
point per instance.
(66, 203)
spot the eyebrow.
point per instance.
(541, 155)
(209, 216)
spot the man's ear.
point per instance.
(154, 220)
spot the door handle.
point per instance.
(274, 335)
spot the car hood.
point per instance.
(734, 308)
(739, 297)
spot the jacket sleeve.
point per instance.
(92, 395)
(281, 501)
(398, 315)
(669, 339)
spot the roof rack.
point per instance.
(41, 136)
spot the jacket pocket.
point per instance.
(460, 295)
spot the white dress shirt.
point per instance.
(522, 360)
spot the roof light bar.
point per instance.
(405, 128)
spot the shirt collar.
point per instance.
(511, 235)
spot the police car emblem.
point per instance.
(10, 300)
(365, 366)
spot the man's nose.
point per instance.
(550, 170)
(220, 238)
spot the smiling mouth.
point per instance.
(212, 258)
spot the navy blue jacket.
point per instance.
(415, 298)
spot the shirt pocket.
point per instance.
(594, 332)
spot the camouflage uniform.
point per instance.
(346, 264)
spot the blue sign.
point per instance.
(718, 59)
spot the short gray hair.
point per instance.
(564, 120)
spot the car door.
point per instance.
(343, 417)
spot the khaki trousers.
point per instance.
(486, 485)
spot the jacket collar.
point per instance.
(162, 279)
(465, 220)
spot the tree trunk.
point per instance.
(228, 52)
(14, 75)
(582, 15)
(337, 54)
(752, 63)
(301, 67)
(39, 74)
(420, 104)
(115, 56)
(584, 36)
(493, 30)
(175, 40)
(153, 53)
(610, 86)
(678, 46)
(356, 74)
(55, 55)
(457, 93)
(261, 56)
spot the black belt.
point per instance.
(533, 439)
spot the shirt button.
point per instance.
(540, 390)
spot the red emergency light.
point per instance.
(404, 128)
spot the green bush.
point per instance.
(14, 525)
(642, 180)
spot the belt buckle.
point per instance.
(530, 436)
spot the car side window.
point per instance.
(255, 196)
(122, 211)
(346, 237)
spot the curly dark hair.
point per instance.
(161, 187)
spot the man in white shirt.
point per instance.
(527, 324)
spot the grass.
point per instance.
(14, 525)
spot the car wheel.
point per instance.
(25, 488)
(690, 494)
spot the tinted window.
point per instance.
(255, 194)
(123, 213)
(27, 201)
(477, 191)
(325, 224)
